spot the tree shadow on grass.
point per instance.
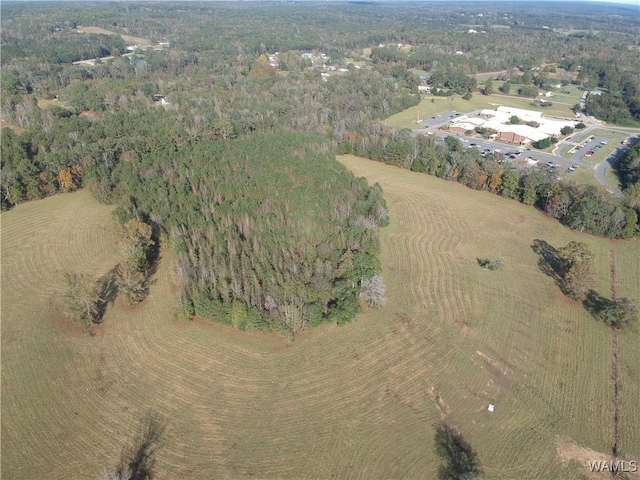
(548, 260)
(461, 461)
(617, 313)
(596, 304)
(107, 293)
(137, 461)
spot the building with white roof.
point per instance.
(499, 120)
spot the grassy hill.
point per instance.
(358, 401)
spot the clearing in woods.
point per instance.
(358, 401)
(126, 38)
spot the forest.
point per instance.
(248, 117)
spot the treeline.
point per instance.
(251, 29)
(65, 47)
(270, 231)
(620, 110)
(583, 208)
(629, 173)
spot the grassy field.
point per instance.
(126, 38)
(44, 104)
(583, 176)
(358, 401)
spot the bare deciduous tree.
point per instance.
(82, 298)
(373, 291)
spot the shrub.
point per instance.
(490, 264)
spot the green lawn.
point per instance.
(612, 178)
(582, 176)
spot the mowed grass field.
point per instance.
(358, 401)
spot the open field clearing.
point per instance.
(358, 401)
(554, 358)
(44, 104)
(126, 38)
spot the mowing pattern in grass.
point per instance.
(358, 401)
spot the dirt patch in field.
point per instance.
(90, 115)
(62, 323)
(17, 129)
(568, 451)
(500, 380)
(126, 38)
(442, 407)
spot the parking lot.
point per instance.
(588, 147)
(578, 158)
(440, 118)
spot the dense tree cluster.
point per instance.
(619, 102)
(270, 229)
(136, 239)
(629, 173)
